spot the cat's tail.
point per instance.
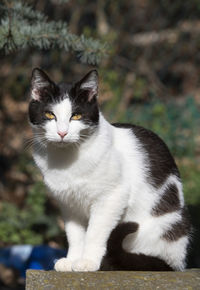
(117, 259)
(117, 236)
(115, 253)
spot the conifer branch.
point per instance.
(22, 27)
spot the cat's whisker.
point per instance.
(30, 142)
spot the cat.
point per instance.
(118, 186)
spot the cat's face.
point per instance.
(64, 113)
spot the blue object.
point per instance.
(23, 257)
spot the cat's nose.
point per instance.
(62, 134)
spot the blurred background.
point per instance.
(148, 57)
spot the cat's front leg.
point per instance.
(75, 230)
(105, 215)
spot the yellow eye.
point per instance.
(49, 115)
(76, 117)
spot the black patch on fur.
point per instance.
(169, 201)
(37, 112)
(37, 108)
(179, 229)
(161, 162)
(117, 259)
(43, 87)
(55, 93)
(80, 105)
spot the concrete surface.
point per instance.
(51, 280)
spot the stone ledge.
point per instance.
(51, 280)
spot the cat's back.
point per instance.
(151, 151)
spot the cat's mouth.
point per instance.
(60, 143)
(63, 143)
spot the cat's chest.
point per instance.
(64, 180)
(77, 178)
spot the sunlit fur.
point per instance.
(100, 180)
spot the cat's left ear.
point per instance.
(89, 84)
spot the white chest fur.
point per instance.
(79, 176)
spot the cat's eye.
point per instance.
(49, 115)
(76, 117)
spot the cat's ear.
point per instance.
(89, 84)
(41, 85)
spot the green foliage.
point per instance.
(140, 86)
(22, 27)
(175, 122)
(24, 226)
(190, 175)
(111, 78)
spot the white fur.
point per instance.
(100, 183)
(89, 84)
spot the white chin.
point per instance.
(63, 143)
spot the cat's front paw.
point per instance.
(63, 265)
(84, 265)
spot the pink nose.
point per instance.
(62, 134)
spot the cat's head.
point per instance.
(63, 113)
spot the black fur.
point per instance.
(45, 89)
(116, 259)
(179, 229)
(161, 162)
(169, 201)
(50, 93)
(80, 105)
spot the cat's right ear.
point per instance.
(41, 84)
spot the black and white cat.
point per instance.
(119, 178)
